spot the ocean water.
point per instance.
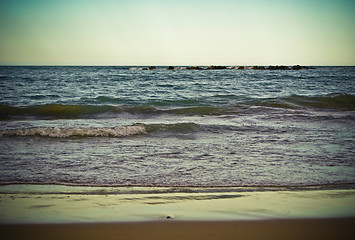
(121, 126)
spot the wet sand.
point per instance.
(62, 212)
(61, 204)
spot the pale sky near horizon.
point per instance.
(183, 32)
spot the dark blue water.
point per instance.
(124, 126)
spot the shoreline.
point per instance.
(332, 186)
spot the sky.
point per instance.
(182, 32)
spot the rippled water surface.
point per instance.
(119, 126)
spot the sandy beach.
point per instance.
(265, 229)
(67, 204)
(63, 212)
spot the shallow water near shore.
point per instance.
(114, 126)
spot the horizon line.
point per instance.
(158, 65)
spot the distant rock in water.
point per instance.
(298, 67)
(216, 67)
(272, 68)
(258, 68)
(194, 68)
(212, 67)
(284, 68)
(278, 68)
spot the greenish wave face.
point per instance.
(338, 102)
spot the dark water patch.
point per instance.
(42, 96)
(52, 111)
(205, 110)
(61, 111)
(177, 128)
(345, 102)
(178, 102)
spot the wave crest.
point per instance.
(55, 132)
(115, 132)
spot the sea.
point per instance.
(125, 126)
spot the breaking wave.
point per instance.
(115, 132)
(55, 132)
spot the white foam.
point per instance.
(121, 131)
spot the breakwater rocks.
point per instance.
(212, 67)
